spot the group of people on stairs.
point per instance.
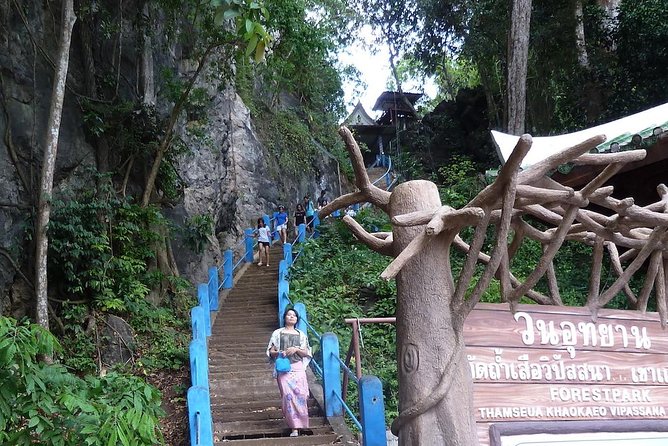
(304, 214)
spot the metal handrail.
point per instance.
(300, 251)
(350, 413)
(348, 371)
(387, 172)
(315, 332)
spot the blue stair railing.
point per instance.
(198, 395)
(371, 403)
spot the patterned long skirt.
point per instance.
(294, 395)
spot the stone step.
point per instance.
(264, 427)
(263, 388)
(232, 405)
(326, 439)
(267, 413)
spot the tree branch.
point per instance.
(650, 278)
(376, 244)
(595, 159)
(541, 168)
(369, 192)
(617, 268)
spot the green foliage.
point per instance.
(289, 140)
(333, 290)
(79, 348)
(99, 247)
(461, 182)
(248, 16)
(43, 403)
(163, 332)
(196, 232)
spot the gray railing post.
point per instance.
(331, 375)
(248, 234)
(203, 298)
(300, 308)
(213, 288)
(372, 411)
(228, 271)
(287, 253)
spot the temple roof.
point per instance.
(632, 132)
(359, 116)
(392, 100)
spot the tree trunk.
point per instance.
(148, 82)
(518, 56)
(580, 42)
(429, 333)
(49, 163)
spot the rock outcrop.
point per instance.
(227, 172)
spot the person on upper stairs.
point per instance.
(282, 224)
(263, 242)
(293, 385)
(322, 200)
(310, 212)
(300, 217)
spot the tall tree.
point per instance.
(518, 58)
(397, 25)
(49, 163)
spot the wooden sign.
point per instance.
(545, 365)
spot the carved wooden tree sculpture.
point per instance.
(435, 389)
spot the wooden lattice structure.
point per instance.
(435, 389)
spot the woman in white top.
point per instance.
(293, 385)
(264, 242)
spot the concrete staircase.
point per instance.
(377, 172)
(245, 401)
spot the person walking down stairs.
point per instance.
(263, 242)
(289, 342)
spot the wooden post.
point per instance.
(432, 340)
(228, 272)
(331, 375)
(213, 288)
(248, 234)
(203, 298)
(372, 411)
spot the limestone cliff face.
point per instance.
(227, 172)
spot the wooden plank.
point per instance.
(516, 365)
(622, 331)
(537, 402)
(555, 364)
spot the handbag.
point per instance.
(282, 364)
